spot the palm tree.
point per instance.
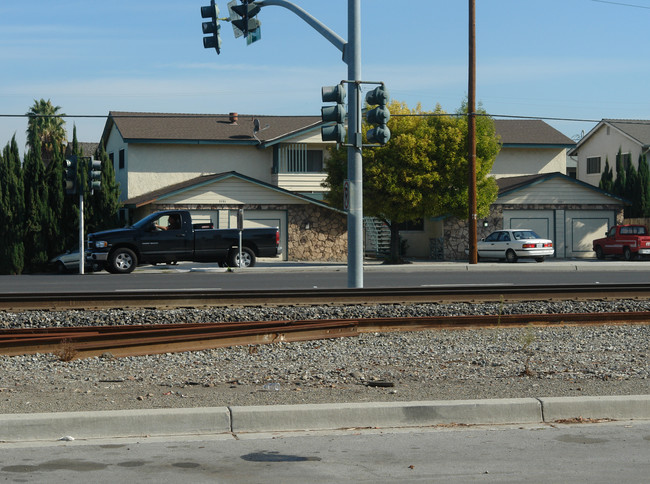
(45, 124)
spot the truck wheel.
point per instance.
(511, 256)
(627, 253)
(599, 252)
(122, 261)
(247, 257)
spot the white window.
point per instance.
(296, 158)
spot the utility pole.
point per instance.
(471, 134)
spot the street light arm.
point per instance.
(335, 39)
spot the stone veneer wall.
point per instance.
(456, 231)
(315, 233)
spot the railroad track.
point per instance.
(133, 340)
(130, 299)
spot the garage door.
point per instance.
(582, 227)
(571, 231)
(541, 221)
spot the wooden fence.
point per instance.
(637, 221)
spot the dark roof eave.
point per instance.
(537, 145)
(251, 142)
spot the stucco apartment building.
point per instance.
(273, 167)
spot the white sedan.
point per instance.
(513, 244)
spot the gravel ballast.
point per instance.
(406, 366)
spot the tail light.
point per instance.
(549, 244)
(529, 246)
(277, 237)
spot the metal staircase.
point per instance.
(377, 237)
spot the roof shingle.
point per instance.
(235, 128)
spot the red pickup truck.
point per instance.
(627, 241)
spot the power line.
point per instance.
(186, 116)
(622, 4)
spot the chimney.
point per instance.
(233, 118)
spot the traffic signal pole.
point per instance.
(82, 252)
(355, 159)
(351, 51)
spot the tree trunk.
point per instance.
(395, 256)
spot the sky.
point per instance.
(570, 62)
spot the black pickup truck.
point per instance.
(170, 236)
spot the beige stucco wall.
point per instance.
(156, 166)
(605, 144)
(556, 191)
(419, 241)
(526, 161)
(150, 166)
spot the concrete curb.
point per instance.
(384, 414)
(277, 418)
(616, 407)
(114, 423)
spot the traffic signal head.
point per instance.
(378, 116)
(335, 114)
(70, 170)
(242, 18)
(212, 27)
(95, 175)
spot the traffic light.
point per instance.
(378, 116)
(243, 20)
(95, 175)
(336, 113)
(71, 175)
(211, 27)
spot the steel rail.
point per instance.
(134, 340)
(400, 295)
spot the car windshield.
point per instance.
(525, 234)
(145, 221)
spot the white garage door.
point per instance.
(541, 221)
(571, 231)
(582, 227)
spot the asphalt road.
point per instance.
(288, 275)
(594, 453)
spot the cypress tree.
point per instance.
(607, 178)
(619, 182)
(5, 216)
(36, 197)
(12, 207)
(55, 179)
(644, 187)
(632, 191)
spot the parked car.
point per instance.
(513, 244)
(69, 262)
(627, 241)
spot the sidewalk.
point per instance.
(283, 418)
(553, 265)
